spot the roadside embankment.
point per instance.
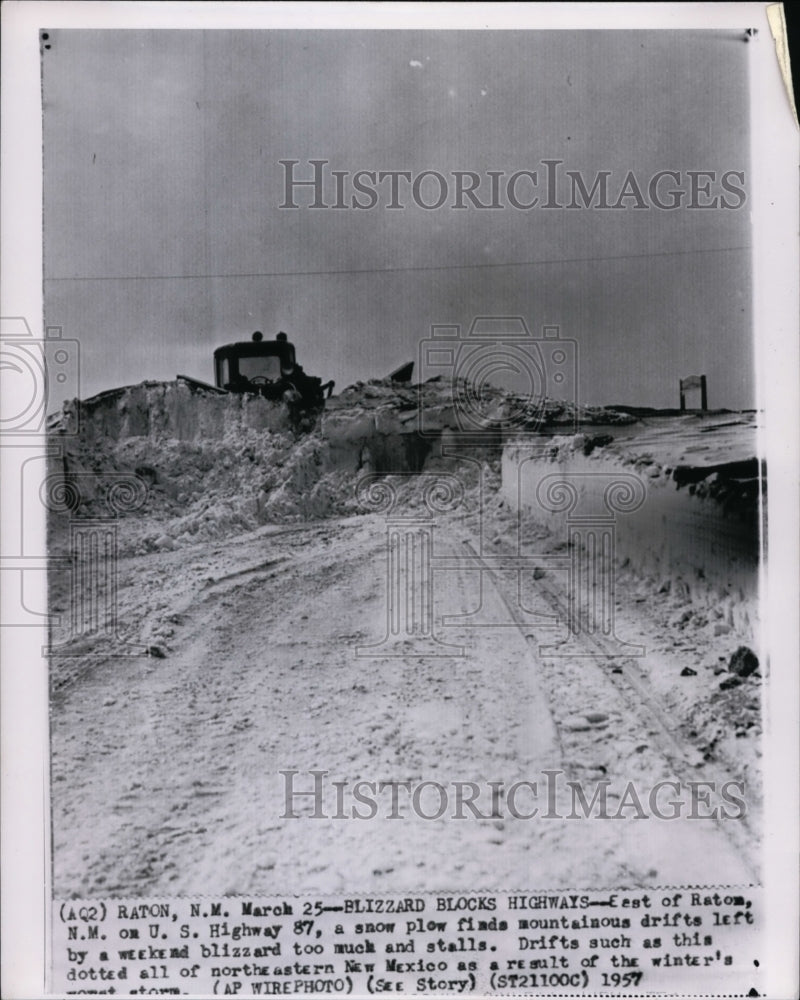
(683, 493)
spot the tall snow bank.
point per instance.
(216, 463)
(693, 527)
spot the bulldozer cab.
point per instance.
(255, 365)
(268, 368)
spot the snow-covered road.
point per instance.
(166, 772)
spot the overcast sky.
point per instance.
(164, 237)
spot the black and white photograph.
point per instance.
(404, 398)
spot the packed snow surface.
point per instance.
(251, 605)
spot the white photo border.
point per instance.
(25, 815)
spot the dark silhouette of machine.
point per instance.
(269, 368)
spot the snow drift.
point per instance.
(696, 523)
(214, 463)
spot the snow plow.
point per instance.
(269, 368)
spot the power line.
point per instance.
(393, 270)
